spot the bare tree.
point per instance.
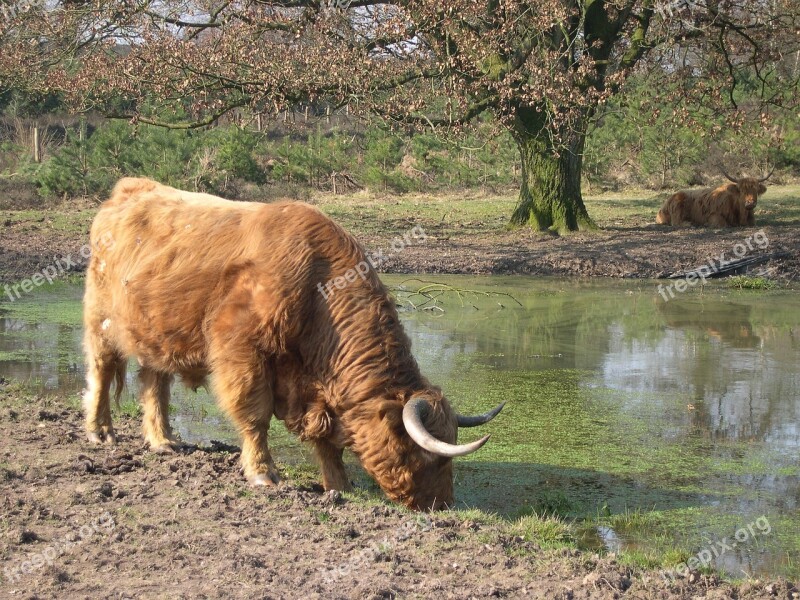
(542, 68)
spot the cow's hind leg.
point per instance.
(103, 366)
(334, 476)
(154, 390)
(244, 394)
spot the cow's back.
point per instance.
(163, 260)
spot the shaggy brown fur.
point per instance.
(729, 205)
(194, 285)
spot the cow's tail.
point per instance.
(119, 380)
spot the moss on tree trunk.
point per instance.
(550, 192)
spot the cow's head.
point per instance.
(749, 188)
(412, 447)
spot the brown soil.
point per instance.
(31, 242)
(32, 239)
(99, 522)
(637, 252)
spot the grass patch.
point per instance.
(476, 516)
(550, 503)
(745, 282)
(629, 520)
(74, 401)
(128, 407)
(322, 516)
(300, 474)
(546, 531)
(652, 559)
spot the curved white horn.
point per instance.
(414, 420)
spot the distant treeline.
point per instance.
(293, 154)
(635, 142)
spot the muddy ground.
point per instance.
(638, 252)
(101, 522)
(31, 240)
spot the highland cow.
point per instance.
(729, 205)
(196, 286)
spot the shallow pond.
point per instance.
(662, 425)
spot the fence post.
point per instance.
(37, 154)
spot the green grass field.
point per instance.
(457, 213)
(462, 213)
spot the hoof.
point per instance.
(264, 479)
(102, 437)
(167, 446)
(162, 449)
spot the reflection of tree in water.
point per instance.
(734, 363)
(739, 377)
(558, 331)
(16, 340)
(70, 364)
(725, 321)
(48, 354)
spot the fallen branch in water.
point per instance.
(426, 297)
(725, 268)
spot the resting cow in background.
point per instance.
(729, 205)
(195, 285)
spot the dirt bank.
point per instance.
(645, 252)
(86, 522)
(464, 235)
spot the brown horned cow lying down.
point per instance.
(729, 205)
(195, 285)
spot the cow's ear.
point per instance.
(735, 188)
(761, 188)
(391, 412)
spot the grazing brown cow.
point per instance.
(195, 285)
(729, 205)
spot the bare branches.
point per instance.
(423, 63)
(428, 295)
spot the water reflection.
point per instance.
(46, 354)
(734, 363)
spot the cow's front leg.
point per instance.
(155, 405)
(717, 221)
(334, 476)
(244, 394)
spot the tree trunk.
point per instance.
(550, 192)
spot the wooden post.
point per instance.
(81, 145)
(37, 155)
